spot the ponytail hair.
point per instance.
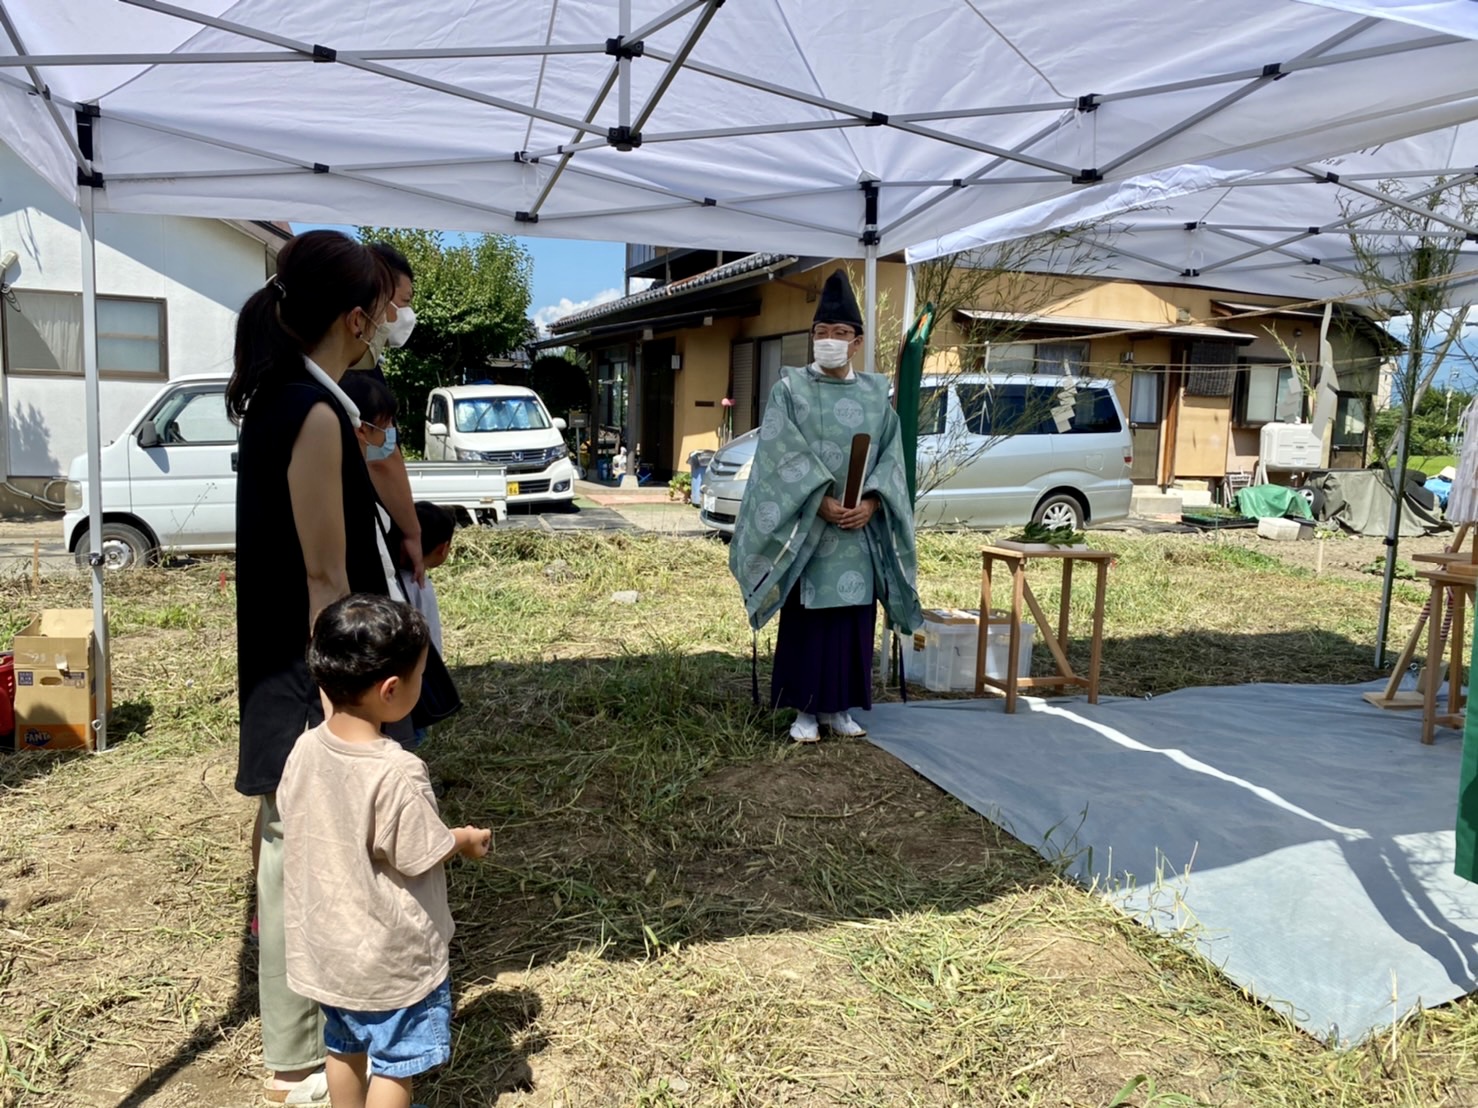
(321, 275)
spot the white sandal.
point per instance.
(805, 729)
(313, 1089)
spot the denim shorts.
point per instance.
(402, 1042)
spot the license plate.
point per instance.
(709, 503)
(512, 488)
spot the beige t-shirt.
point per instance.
(364, 890)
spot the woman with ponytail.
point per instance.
(306, 534)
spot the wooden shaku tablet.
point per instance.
(856, 470)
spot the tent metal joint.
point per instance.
(89, 178)
(1274, 70)
(319, 167)
(1088, 177)
(324, 53)
(618, 47)
(1090, 102)
(526, 217)
(623, 138)
(1190, 273)
(1316, 230)
(1193, 225)
(879, 119)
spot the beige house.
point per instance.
(1197, 371)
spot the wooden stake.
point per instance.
(1319, 559)
(36, 566)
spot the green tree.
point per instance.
(1434, 424)
(561, 383)
(471, 301)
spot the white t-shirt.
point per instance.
(423, 599)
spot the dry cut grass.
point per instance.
(681, 908)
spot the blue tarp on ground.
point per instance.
(1303, 836)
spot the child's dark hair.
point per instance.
(437, 525)
(362, 640)
(393, 258)
(373, 398)
(320, 276)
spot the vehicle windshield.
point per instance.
(499, 413)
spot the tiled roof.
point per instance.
(747, 264)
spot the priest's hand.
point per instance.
(858, 517)
(832, 511)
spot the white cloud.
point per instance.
(547, 315)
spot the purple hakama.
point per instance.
(823, 657)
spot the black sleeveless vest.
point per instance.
(278, 697)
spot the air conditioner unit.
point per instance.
(1290, 446)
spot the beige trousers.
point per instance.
(292, 1027)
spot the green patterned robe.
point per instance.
(804, 450)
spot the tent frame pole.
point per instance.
(870, 274)
(1393, 537)
(94, 460)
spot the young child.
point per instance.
(377, 408)
(365, 895)
(437, 528)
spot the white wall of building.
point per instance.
(204, 269)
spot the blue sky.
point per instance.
(569, 274)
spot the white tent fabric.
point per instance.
(780, 125)
(757, 119)
(1285, 233)
(1456, 17)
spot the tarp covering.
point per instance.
(1302, 839)
(1359, 500)
(1272, 501)
(742, 125)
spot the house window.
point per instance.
(43, 335)
(1211, 369)
(1057, 358)
(1144, 398)
(774, 354)
(1349, 421)
(1266, 394)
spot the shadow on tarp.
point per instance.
(1301, 837)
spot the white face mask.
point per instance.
(377, 342)
(400, 331)
(832, 353)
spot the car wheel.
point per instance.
(124, 547)
(1314, 497)
(1060, 511)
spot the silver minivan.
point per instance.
(994, 451)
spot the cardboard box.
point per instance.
(57, 682)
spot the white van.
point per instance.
(507, 425)
(169, 481)
(995, 450)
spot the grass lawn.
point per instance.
(681, 908)
(1431, 465)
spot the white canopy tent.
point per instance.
(757, 125)
(1285, 233)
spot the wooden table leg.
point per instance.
(1018, 587)
(1095, 656)
(987, 564)
(1434, 663)
(1455, 672)
(1067, 595)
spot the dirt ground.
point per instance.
(1339, 554)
